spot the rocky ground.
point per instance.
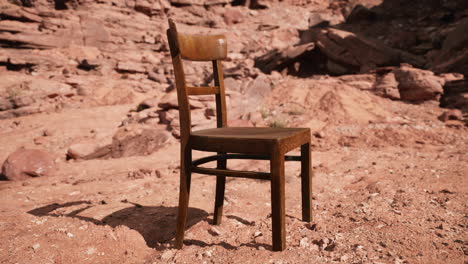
(89, 130)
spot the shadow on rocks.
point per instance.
(155, 223)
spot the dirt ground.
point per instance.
(389, 178)
(391, 204)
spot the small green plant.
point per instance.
(296, 110)
(277, 123)
(14, 92)
(264, 112)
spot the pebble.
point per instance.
(91, 251)
(167, 255)
(319, 134)
(208, 254)
(304, 242)
(47, 133)
(36, 246)
(214, 231)
(257, 234)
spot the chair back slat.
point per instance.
(202, 90)
(202, 47)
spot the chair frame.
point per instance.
(214, 48)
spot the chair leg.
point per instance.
(185, 180)
(220, 187)
(306, 183)
(219, 201)
(278, 201)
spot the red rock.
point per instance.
(233, 16)
(81, 150)
(418, 85)
(130, 67)
(25, 163)
(169, 101)
(199, 2)
(135, 140)
(453, 114)
(387, 86)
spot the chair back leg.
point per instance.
(306, 183)
(278, 201)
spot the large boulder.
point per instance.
(138, 140)
(453, 56)
(418, 85)
(358, 53)
(336, 52)
(26, 163)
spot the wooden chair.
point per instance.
(231, 142)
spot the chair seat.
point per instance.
(254, 140)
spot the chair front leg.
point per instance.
(185, 181)
(306, 182)
(220, 187)
(278, 200)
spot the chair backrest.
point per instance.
(197, 48)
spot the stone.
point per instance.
(214, 231)
(354, 51)
(418, 85)
(130, 67)
(317, 20)
(208, 254)
(150, 8)
(233, 16)
(36, 247)
(453, 114)
(20, 14)
(81, 150)
(324, 19)
(319, 134)
(23, 111)
(5, 104)
(157, 77)
(304, 242)
(170, 101)
(26, 163)
(279, 59)
(199, 2)
(167, 254)
(137, 140)
(387, 86)
(148, 103)
(359, 81)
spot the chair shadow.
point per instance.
(155, 223)
(228, 246)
